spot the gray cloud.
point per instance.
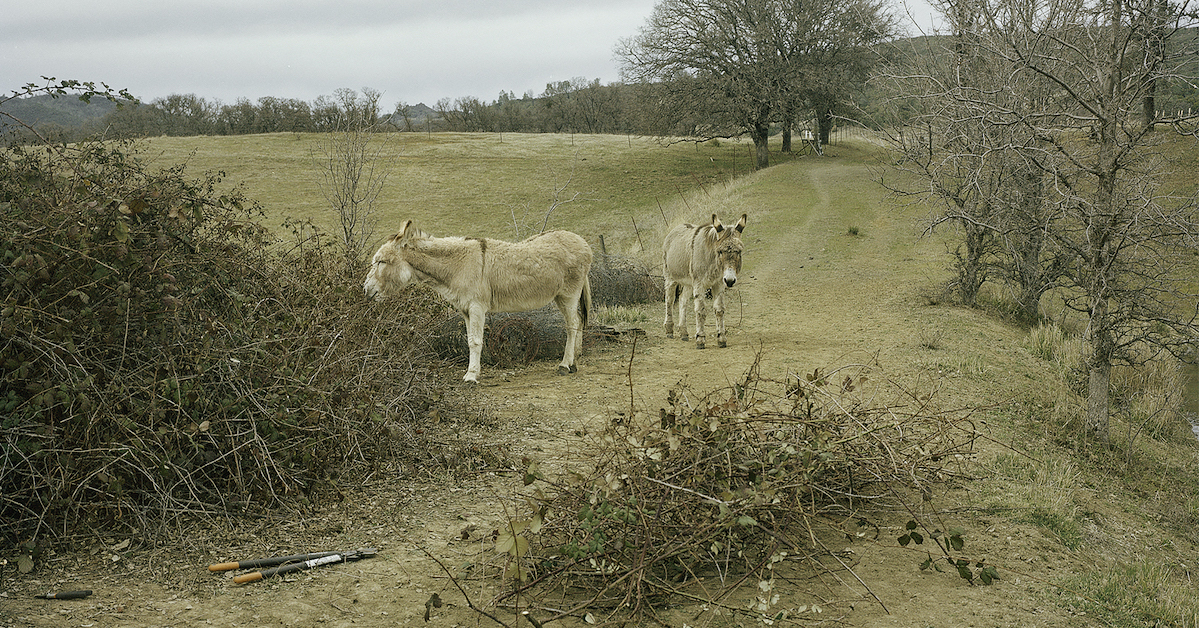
(412, 51)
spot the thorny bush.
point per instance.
(719, 489)
(165, 357)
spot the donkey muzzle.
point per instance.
(372, 292)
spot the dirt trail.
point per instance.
(812, 295)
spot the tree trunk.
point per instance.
(1149, 106)
(1097, 403)
(824, 119)
(1032, 281)
(1099, 223)
(970, 270)
(1028, 244)
(1155, 52)
(786, 139)
(760, 134)
(1103, 348)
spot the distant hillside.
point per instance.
(414, 116)
(65, 111)
(70, 113)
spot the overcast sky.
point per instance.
(410, 50)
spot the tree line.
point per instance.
(699, 68)
(576, 106)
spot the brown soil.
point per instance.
(811, 296)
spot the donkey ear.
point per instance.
(741, 223)
(403, 233)
(716, 224)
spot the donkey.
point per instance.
(707, 258)
(478, 275)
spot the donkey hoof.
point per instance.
(670, 334)
(567, 370)
(699, 344)
(722, 344)
(683, 337)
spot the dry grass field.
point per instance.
(491, 185)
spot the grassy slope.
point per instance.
(489, 185)
(1126, 520)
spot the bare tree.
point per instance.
(740, 65)
(403, 111)
(977, 166)
(1061, 120)
(353, 164)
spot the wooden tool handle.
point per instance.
(223, 566)
(248, 577)
(67, 595)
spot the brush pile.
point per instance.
(722, 489)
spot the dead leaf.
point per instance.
(434, 602)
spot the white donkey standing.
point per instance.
(707, 258)
(480, 275)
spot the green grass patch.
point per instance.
(1058, 526)
(1135, 595)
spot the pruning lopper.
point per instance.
(285, 564)
(65, 595)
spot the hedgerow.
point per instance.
(165, 356)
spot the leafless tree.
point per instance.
(1055, 149)
(403, 112)
(737, 66)
(977, 168)
(353, 166)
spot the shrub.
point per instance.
(164, 356)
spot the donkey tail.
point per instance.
(585, 300)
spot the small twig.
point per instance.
(458, 586)
(629, 375)
(683, 196)
(852, 573)
(706, 498)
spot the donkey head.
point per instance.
(389, 269)
(728, 248)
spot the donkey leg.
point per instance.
(580, 331)
(672, 299)
(718, 309)
(683, 306)
(701, 315)
(573, 323)
(475, 320)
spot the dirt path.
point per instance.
(812, 296)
